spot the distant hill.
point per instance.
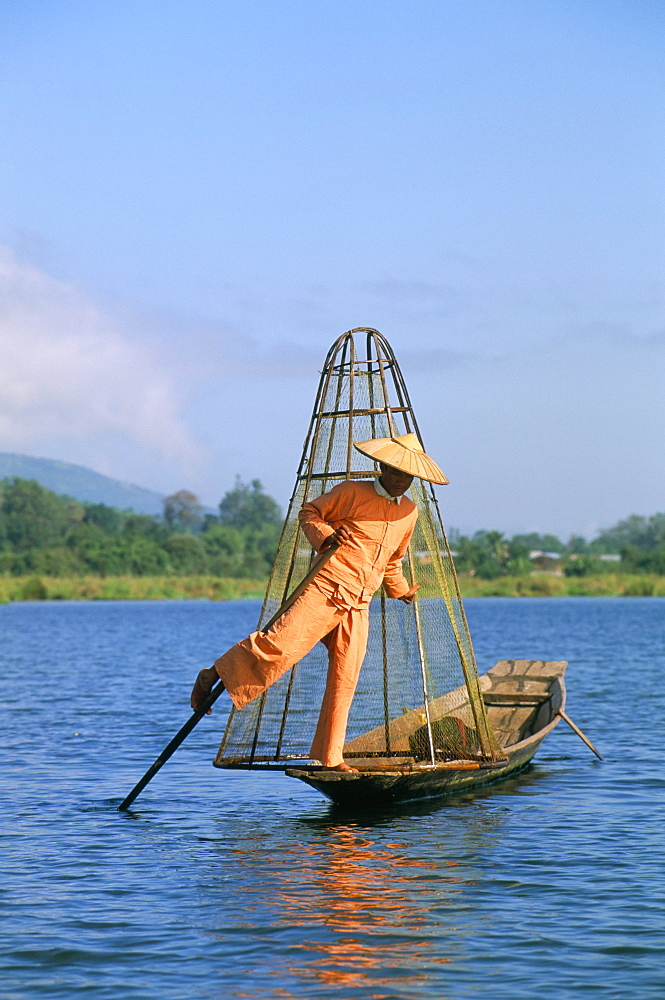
(80, 483)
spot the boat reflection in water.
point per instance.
(359, 914)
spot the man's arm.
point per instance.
(394, 581)
(314, 518)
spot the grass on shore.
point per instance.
(212, 588)
(127, 588)
(550, 585)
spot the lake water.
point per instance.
(223, 884)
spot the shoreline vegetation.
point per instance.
(210, 588)
(54, 547)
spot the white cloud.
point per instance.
(69, 374)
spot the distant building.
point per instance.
(546, 562)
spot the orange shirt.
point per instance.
(381, 530)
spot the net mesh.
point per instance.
(418, 696)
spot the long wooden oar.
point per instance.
(302, 586)
(183, 733)
(579, 733)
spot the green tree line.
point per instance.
(51, 535)
(634, 545)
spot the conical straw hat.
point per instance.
(405, 453)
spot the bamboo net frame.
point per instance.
(419, 692)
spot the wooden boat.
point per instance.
(522, 698)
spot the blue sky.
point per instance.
(197, 199)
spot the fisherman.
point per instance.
(372, 521)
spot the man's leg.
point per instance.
(346, 644)
(253, 664)
(203, 685)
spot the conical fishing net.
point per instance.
(418, 696)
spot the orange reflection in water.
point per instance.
(372, 900)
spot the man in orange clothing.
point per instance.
(373, 522)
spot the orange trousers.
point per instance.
(253, 664)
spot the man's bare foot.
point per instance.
(203, 685)
(344, 768)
